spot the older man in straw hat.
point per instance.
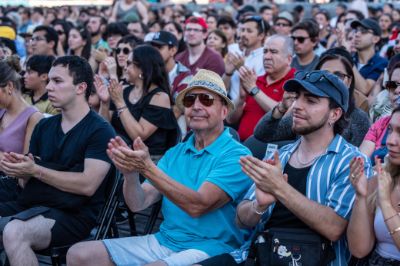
(200, 179)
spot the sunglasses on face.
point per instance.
(300, 39)
(124, 50)
(60, 32)
(204, 98)
(392, 85)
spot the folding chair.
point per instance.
(106, 225)
(151, 219)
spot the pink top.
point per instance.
(377, 131)
(13, 137)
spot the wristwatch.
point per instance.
(254, 91)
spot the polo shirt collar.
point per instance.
(213, 149)
(43, 98)
(373, 60)
(289, 75)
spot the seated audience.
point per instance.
(375, 220)
(142, 109)
(277, 124)
(305, 186)
(260, 94)
(198, 201)
(65, 170)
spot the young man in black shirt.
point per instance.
(65, 171)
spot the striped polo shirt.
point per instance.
(328, 184)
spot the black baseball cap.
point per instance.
(164, 38)
(369, 24)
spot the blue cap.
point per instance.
(322, 84)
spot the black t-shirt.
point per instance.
(166, 134)
(67, 152)
(282, 216)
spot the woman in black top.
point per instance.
(142, 109)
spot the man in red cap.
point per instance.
(197, 55)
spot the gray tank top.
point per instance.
(385, 245)
(121, 14)
(12, 138)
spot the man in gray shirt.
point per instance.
(305, 39)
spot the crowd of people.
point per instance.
(170, 97)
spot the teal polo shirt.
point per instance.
(215, 232)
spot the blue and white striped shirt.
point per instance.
(327, 183)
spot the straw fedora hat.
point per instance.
(208, 80)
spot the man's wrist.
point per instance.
(260, 210)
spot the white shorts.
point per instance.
(140, 250)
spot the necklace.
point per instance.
(304, 163)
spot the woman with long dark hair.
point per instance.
(143, 109)
(375, 221)
(79, 42)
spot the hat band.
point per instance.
(208, 85)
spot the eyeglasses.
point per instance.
(363, 30)
(317, 76)
(300, 39)
(37, 39)
(124, 50)
(204, 98)
(257, 19)
(60, 32)
(392, 85)
(282, 25)
(194, 30)
(341, 75)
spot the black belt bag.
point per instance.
(290, 247)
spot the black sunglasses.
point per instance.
(316, 76)
(392, 85)
(204, 98)
(300, 39)
(125, 50)
(60, 32)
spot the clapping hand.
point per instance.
(384, 183)
(248, 78)
(126, 159)
(18, 165)
(267, 176)
(357, 176)
(116, 92)
(101, 89)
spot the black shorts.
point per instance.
(223, 259)
(68, 229)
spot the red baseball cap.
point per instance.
(197, 20)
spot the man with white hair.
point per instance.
(260, 94)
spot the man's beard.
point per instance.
(312, 128)
(93, 34)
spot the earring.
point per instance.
(141, 76)
(330, 123)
